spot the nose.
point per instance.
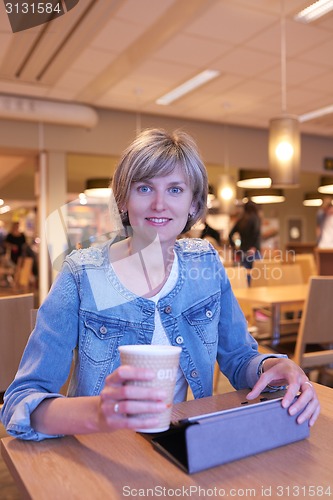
(158, 203)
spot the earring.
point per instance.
(191, 216)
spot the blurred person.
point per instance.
(326, 232)
(15, 241)
(147, 288)
(211, 234)
(248, 227)
(3, 235)
(321, 217)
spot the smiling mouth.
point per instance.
(157, 220)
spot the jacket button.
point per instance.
(194, 374)
(179, 339)
(103, 329)
(209, 313)
(167, 310)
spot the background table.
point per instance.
(274, 297)
(119, 464)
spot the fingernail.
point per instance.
(292, 411)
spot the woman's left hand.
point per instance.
(283, 371)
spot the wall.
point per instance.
(247, 148)
(244, 148)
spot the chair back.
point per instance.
(316, 325)
(23, 273)
(237, 276)
(271, 273)
(324, 259)
(15, 328)
(307, 263)
(33, 317)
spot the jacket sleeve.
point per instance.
(47, 358)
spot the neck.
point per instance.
(158, 255)
(156, 261)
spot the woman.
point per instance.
(146, 288)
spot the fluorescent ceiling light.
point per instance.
(185, 88)
(317, 113)
(314, 11)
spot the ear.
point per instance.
(193, 208)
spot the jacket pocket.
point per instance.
(204, 317)
(101, 338)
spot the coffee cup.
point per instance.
(163, 360)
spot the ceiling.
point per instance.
(124, 54)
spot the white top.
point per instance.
(159, 335)
(326, 238)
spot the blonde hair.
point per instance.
(156, 153)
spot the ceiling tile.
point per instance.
(195, 51)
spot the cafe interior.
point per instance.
(240, 76)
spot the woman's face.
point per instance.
(160, 207)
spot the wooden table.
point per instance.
(124, 464)
(274, 297)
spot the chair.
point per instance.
(314, 345)
(15, 328)
(307, 263)
(273, 273)
(237, 276)
(324, 259)
(23, 273)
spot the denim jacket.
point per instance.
(88, 314)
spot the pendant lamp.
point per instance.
(226, 192)
(254, 179)
(264, 196)
(284, 135)
(312, 200)
(326, 185)
(98, 188)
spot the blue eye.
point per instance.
(144, 189)
(176, 190)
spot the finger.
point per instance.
(124, 421)
(133, 391)
(126, 373)
(289, 397)
(308, 412)
(307, 404)
(315, 415)
(132, 408)
(257, 389)
(110, 395)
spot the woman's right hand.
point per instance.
(124, 405)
